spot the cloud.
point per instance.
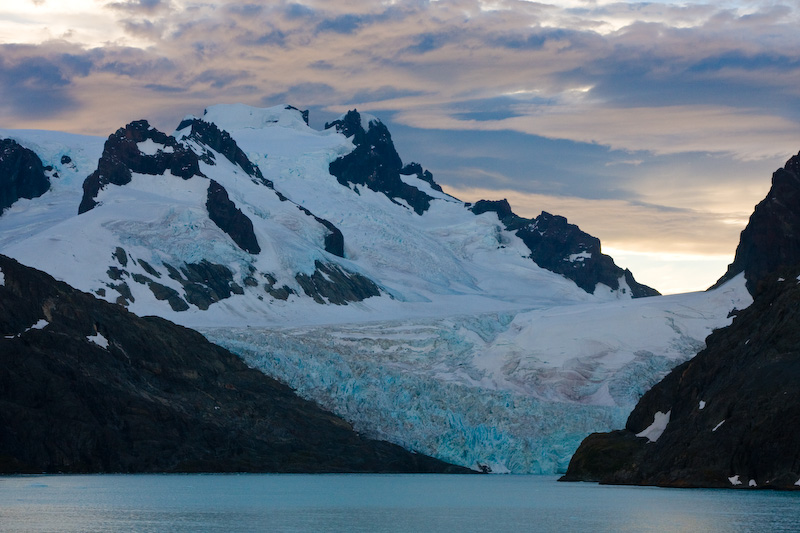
(381, 94)
(743, 133)
(668, 117)
(345, 24)
(302, 94)
(35, 86)
(139, 6)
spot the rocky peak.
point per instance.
(22, 174)
(303, 112)
(142, 149)
(415, 169)
(209, 135)
(565, 249)
(375, 164)
(772, 236)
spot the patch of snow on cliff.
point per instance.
(99, 340)
(150, 147)
(656, 429)
(580, 257)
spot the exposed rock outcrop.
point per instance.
(142, 149)
(771, 238)
(732, 412)
(332, 284)
(565, 249)
(375, 164)
(22, 174)
(86, 386)
(209, 135)
(230, 219)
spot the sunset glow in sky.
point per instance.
(655, 126)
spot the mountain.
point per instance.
(250, 208)
(771, 238)
(727, 417)
(86, 386)
(461, 331)
(22, 174)
(563, 248)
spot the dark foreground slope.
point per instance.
(86, 386)
(734, 409)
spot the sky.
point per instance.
(655, 126)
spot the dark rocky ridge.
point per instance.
(157, 398)
(208, 134)
(22, 174)
(121, 157)
(748, 378)
(230, 219)
(415, 169)
(552, 240)
(772, 236)
(375, 164)
(333, 284)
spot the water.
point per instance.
(377, 503)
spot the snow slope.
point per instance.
(470, 352)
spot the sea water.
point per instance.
(376, 503)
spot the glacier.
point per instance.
(511, 391)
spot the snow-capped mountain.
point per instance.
(464, 331)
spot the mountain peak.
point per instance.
(771, 238)
(565, 249)
(22, 174)
(142, 149)
(240, 116)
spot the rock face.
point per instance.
(730, 415)
(86, 386)
(733, 410)
(554, 244)
(209, 135)
(22, 174)
(230, 219)
(772, 236)
(142, 149)
(332, 284)
(564, 249)
(375, 164)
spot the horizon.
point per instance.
(654, 126)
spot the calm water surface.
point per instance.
(377, 503)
